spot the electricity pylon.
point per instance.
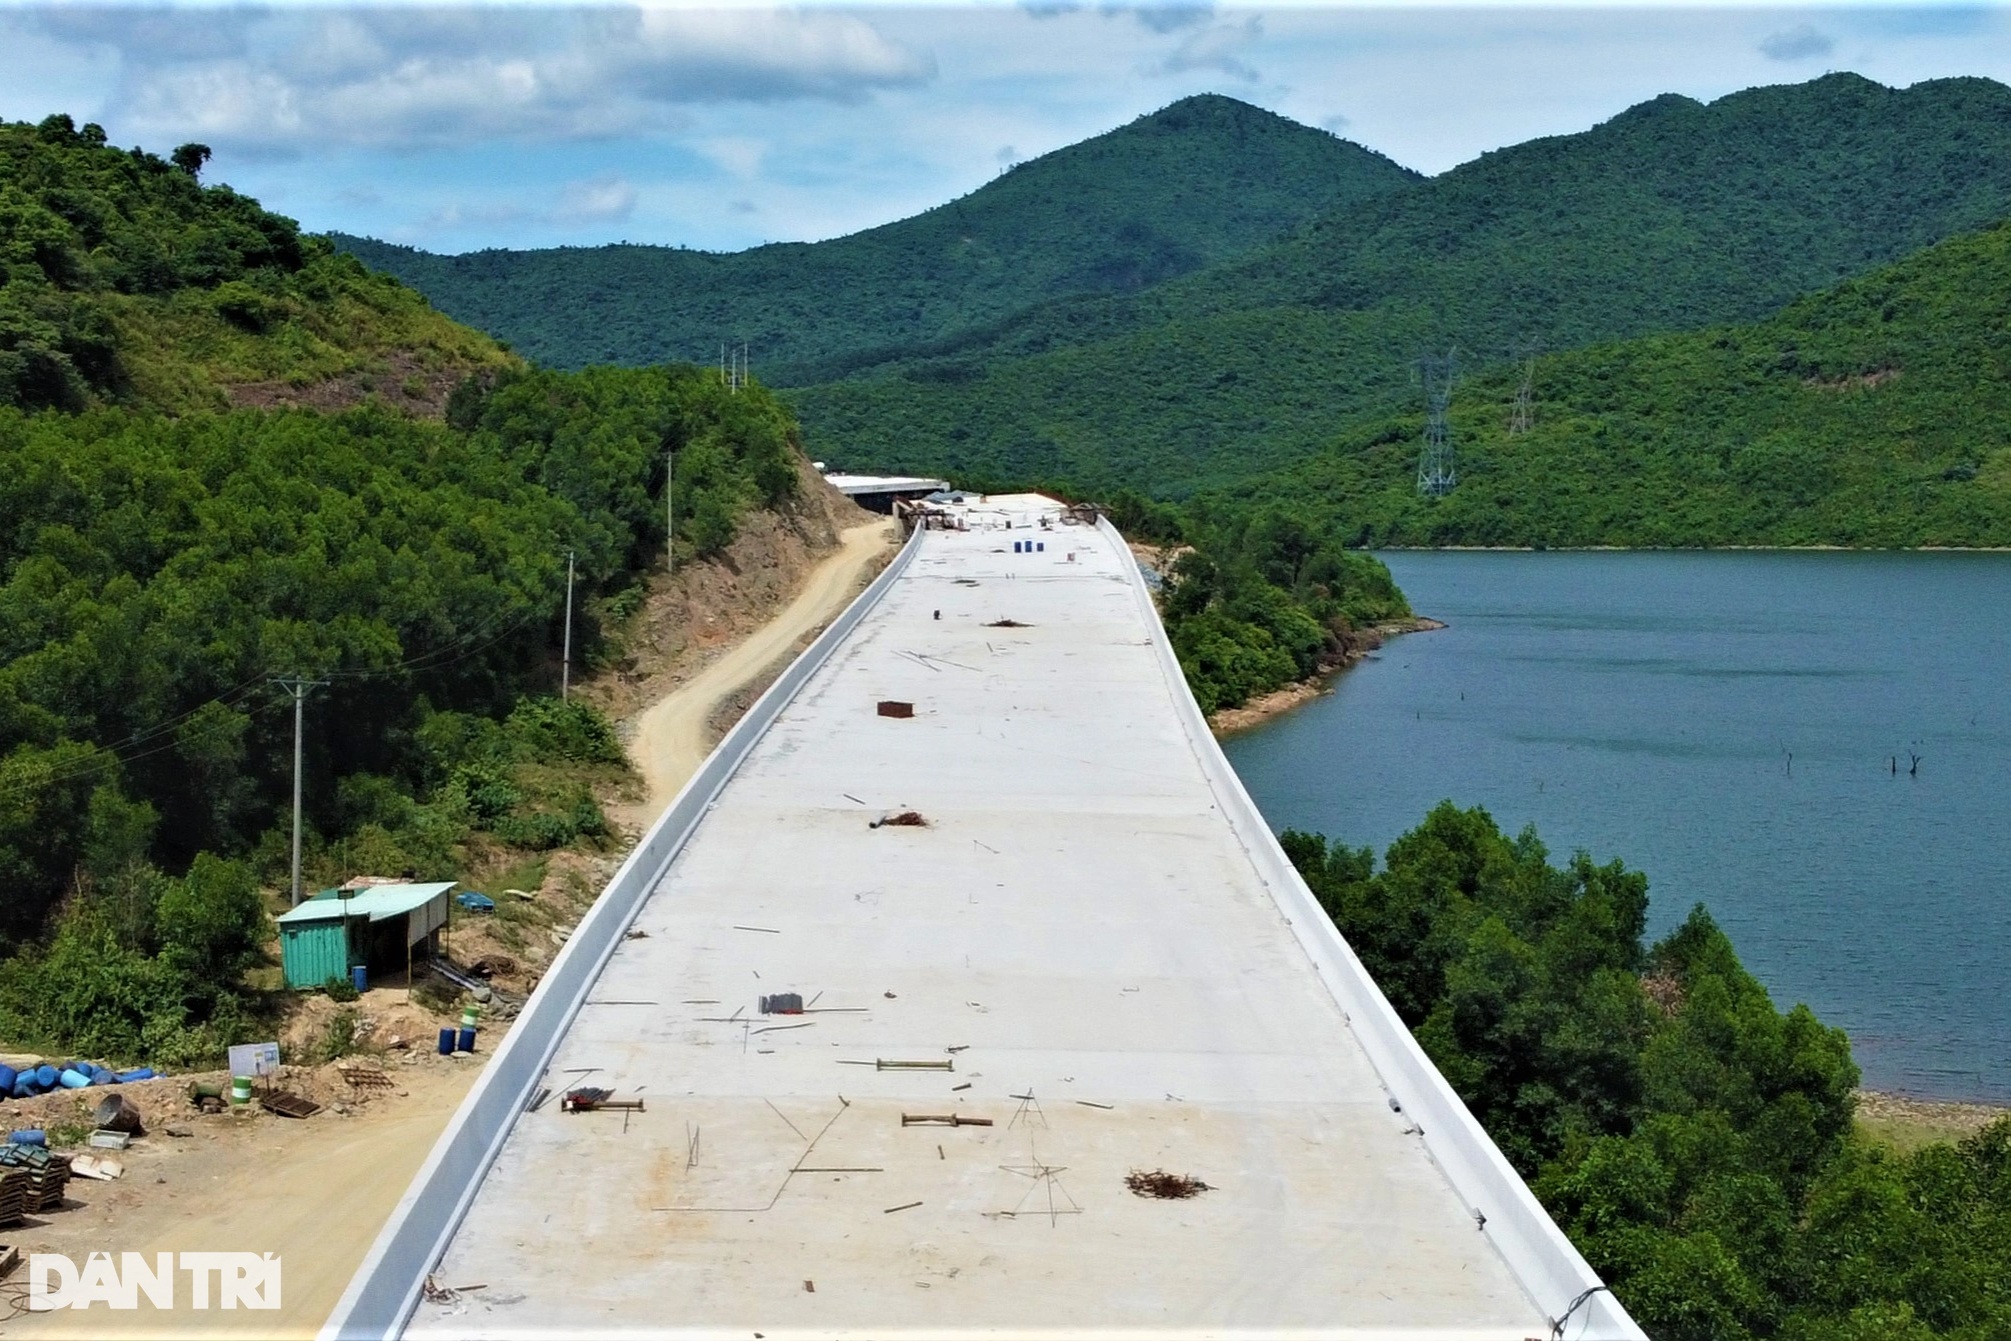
(1436, 474)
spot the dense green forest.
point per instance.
(1876, 414)
(164, 559)
(157, 574)
(1696, 1143)
(1194, 183)
(125, 280)
(1258, 596)
(1673, 215)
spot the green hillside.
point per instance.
(1876, 413)
(125, 280)
(1672, 215)
(1201, 180)
(166, 559)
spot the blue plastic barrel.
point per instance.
(7, 1076)
(138, 1073)
(24, 1088)
(104, 1077)
(467, 1040)
(29, 1136)
(359, 977)
(45, 1076)
(446, 1041)
(74, 1080)
(1040, 545)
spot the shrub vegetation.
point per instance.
(1695, 1142)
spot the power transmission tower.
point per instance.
(1436, 474)
(298, 687)
(1522, 418)
(566, 665)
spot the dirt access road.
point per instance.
(673, 736)
(317, 1192)
(314, 1192)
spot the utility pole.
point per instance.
(299, 687)
(669, 513)
(566, 665)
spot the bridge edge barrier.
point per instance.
(387, 1286)
(1550, 1269)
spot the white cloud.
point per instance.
(739, 155)
(1167, 16)
(1219, 48)
(1795, 44)
(609, 198)
(301, 80)
(605, 199)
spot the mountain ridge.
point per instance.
(1107, 214)
(1872, 414)
(1673, 215)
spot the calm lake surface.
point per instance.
(1644, 706)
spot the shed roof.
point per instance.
(376, 903)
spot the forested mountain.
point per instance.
(125, 280)
(1673, 215)
(1199, 181)
(1876, 413)
(166, 559)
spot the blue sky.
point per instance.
(524, 125)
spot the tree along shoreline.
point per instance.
(1262, 708)
(1686, 549)
(1700, 1146)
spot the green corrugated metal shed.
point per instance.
(314, 952)
(321, 938)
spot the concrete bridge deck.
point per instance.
(1082, 947)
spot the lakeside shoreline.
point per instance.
(1286, 698)
(1687, 549)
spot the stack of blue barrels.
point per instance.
(31, 1081)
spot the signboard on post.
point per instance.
(254, 1059)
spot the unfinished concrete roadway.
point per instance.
(1093, 945)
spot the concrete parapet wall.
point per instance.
(1536, 1250)
(388, 1286)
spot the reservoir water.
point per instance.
(1727, 723)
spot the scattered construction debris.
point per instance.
(47, 1175)
(1007, 624)
(886, 1064)
(909, 1206)
(365, 1077)
(1163, 1185)
(592, 1098)
(117, 1113)
(13, 1198)
(288, 1105)
(782, 1003)
(909, 819)
(893, 707)
(942, 1120)
(437, 1293)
